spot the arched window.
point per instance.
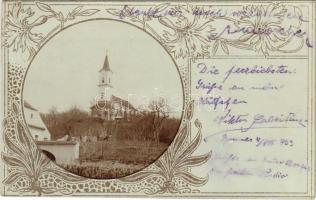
(103, 80)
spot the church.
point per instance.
(107, 106)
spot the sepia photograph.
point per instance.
(104, 103)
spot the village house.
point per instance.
(35, 123)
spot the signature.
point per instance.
(258, 121)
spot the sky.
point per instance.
(65, 71)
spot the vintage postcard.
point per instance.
(209, 99)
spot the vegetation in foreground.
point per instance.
(121, 147)
(108, 160)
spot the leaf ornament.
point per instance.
(26, 161)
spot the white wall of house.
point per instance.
(36, 125)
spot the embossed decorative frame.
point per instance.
(28, 171)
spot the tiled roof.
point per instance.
(27, 105)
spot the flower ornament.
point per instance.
(189, 33)
(18, 29)
(262, 27)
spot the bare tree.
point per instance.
(51, 118)
(60, 123)
(159, 110)
(73, 114)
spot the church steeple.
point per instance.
(105, 85)
(106, 65)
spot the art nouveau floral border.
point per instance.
(188, 30)
(188, 34)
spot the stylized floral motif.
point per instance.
(26, 161)
(264, 27)
(189, 34)
(59, 16)
(186, 36)
(174, 162)
(191, 30)
(142, 17)
(18, 32)
(18, 29)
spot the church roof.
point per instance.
(123, 102)
(102, 104)
(114, 99)
(106, 66)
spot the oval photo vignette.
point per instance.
(103, 99)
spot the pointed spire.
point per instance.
(106, 66)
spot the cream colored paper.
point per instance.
(241, 75)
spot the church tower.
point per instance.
(105, 85)
(108, 106)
